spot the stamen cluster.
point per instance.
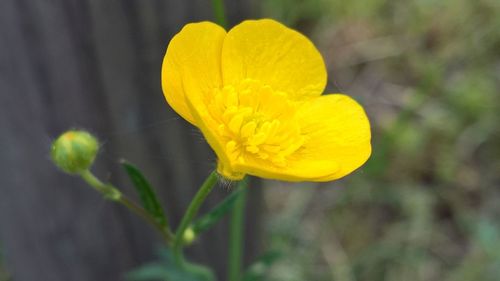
(256, 121)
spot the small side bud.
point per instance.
(74, 151)
(189, 236)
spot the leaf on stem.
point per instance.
(166, 269)
(148, 197)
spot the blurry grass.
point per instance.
(427, 204)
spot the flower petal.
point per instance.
(295, 171)
(337, 129)
(337, 134)
(208, 126)
(193, 55)
(278, 56)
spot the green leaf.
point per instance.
(257, 270)
(170, 272)
(208, 220)
(152, 271)
(167, 270)
(146, 193)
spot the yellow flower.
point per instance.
(255, 94)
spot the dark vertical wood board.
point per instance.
(96, 65)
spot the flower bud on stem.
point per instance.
(74, 152)
(189, 236)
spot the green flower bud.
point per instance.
(189, 236)
(74, 151)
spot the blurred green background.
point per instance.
(426, 206)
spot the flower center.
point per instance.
(256, 122)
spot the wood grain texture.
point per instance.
(95, 65)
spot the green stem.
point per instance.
(236, 234)
(219, 12)
(167, 236)
(112, 193)
(109, 191)
(191, 212)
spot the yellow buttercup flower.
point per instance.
(255, 94)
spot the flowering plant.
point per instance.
(255, 94)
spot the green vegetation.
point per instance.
(427, 204)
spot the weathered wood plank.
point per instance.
(94, 65)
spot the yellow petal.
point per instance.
(337, 142)
(194, 55)
(209, 126)
(277, 56)
(294, 171)
(337, 129)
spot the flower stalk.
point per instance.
(219, 12)
(188, 217)
(236, 230)
(112, 193)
